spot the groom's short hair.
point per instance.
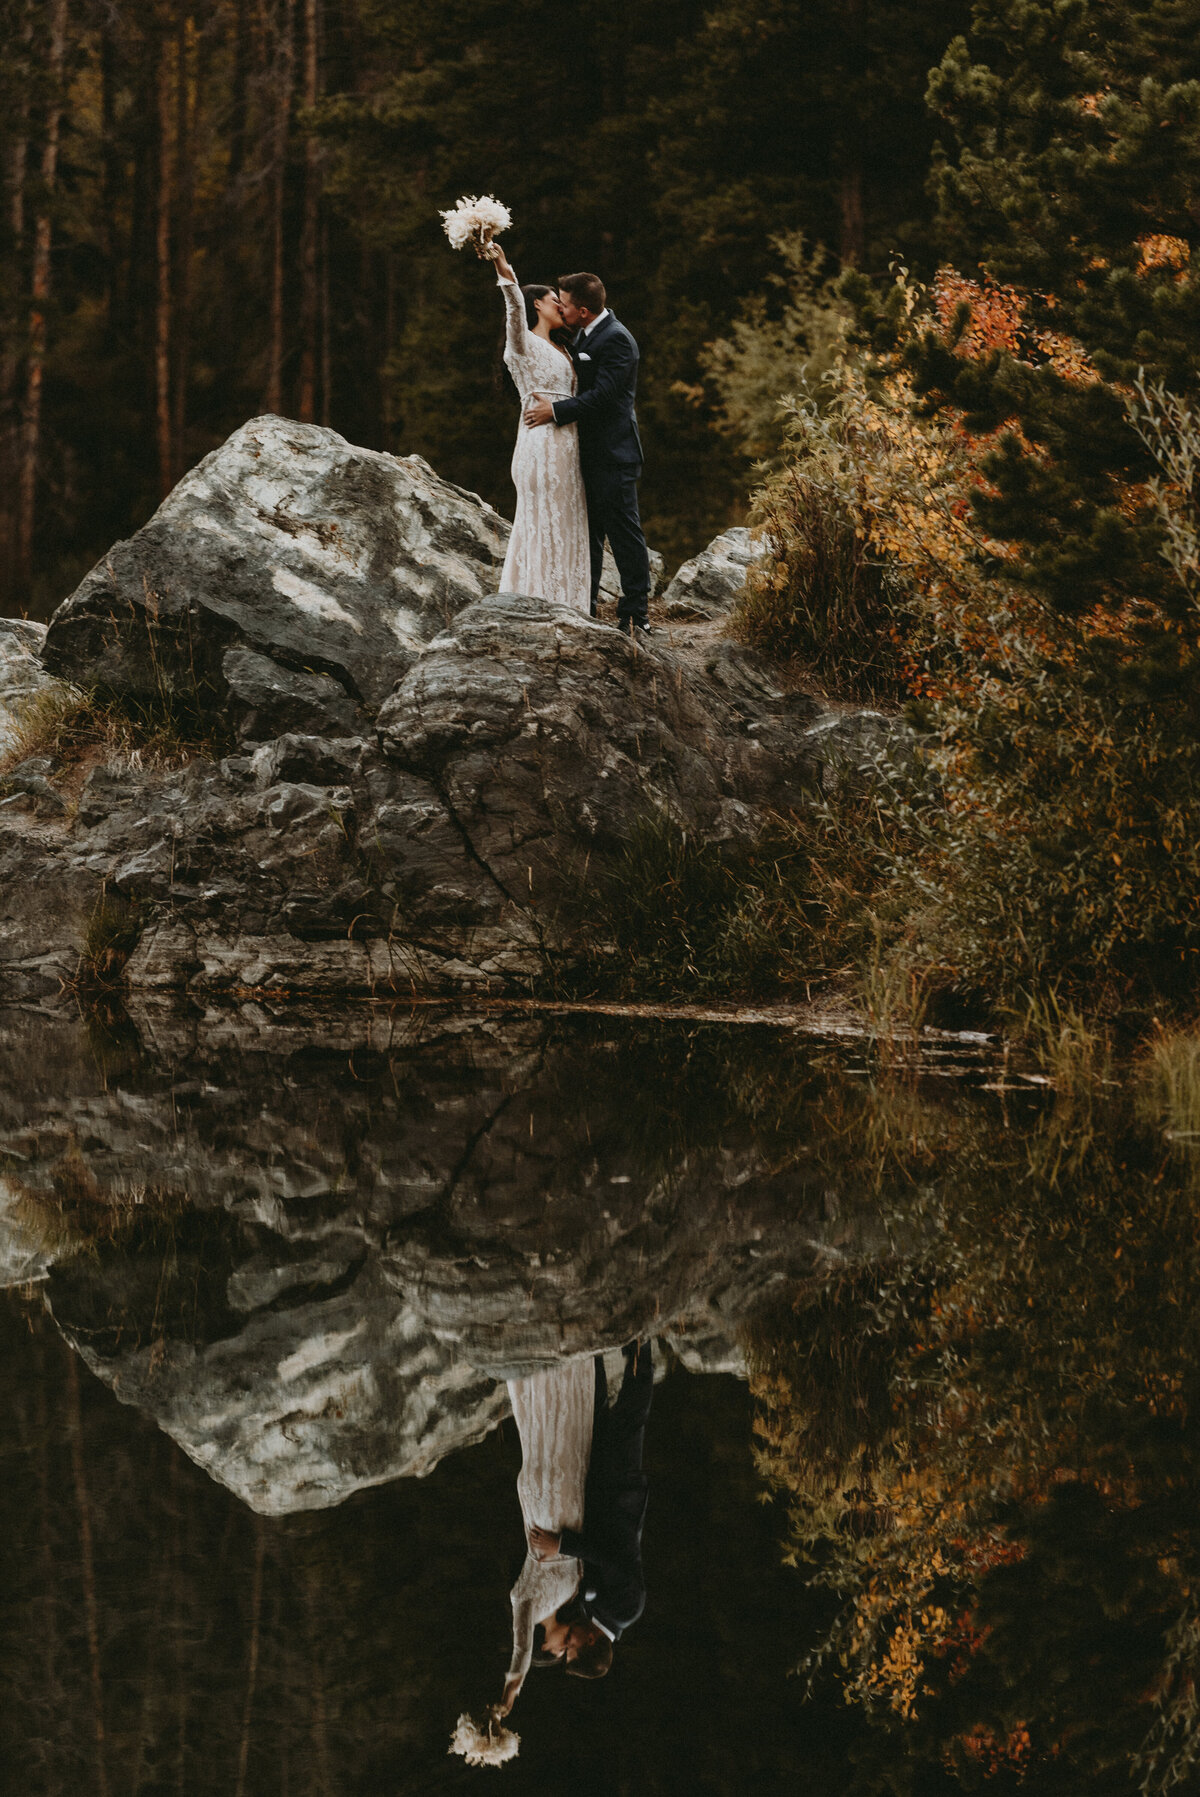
(593, 1658)
(585, 290)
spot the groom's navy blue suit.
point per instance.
(614, 1503)
(606, 364)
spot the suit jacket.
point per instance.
(610, 1542)
(606, 364)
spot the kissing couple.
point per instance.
(583, 1501)
(583, 1497)
(578, 456)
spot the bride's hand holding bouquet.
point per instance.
(478, 222)
(485, 1744)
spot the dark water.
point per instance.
(268, 1273)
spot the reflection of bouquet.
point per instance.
(475, 222)
(489, 1746)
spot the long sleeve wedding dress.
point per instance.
(548, 555)
(554, 1412)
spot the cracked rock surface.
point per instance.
(331, 1236)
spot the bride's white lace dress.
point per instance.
(548, 555)
(554, 1413)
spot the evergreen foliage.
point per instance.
(1073, 175)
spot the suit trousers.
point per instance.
(612, 507)
(624, 1425)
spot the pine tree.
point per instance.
(1073, 174)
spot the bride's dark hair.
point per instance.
(535, 291)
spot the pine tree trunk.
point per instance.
(18, 152)
(239, 108)
(88, 1564)
(852, 226)
(306, 401)
(326, 352)
(51, 1565)
(283, 107)
(318, 1709)
(852, 235)
(31, 423)
(186, 110)
(260, 1543)
(138, 272)
(162, 269)
(387, 415)
(10, 363)
(110, 163)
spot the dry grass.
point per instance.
(75, 1215)
(111, 936)
(895, 996)
(685, 916)
(80, 730)
(1073, 1056)
(821, 600)
(1171, 1084)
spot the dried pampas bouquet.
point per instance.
(475, 222)
(487, 1746)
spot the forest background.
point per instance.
(215, 208)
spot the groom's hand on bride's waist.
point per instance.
(539, 411)
(543, 1543)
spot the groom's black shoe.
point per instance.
(627, 627)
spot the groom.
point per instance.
(613, 1593)
(610, 450)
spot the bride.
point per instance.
(554, 1412)
(548, 555)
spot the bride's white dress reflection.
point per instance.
(554, 1413)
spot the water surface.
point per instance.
(268, 1273)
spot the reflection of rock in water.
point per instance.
(376, 1218)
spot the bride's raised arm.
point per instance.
(516, 331)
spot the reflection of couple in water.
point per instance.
(583, 1500)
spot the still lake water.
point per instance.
(268, 1273)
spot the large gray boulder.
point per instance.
(708, 585)
(290, 542)
(550, 735)
(286, 581)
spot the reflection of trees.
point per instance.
(156, 1637)
(992, 1457)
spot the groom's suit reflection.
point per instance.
(613, 1593)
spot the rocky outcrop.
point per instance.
(295, 545)
(431, 777)
(21, 671)
(330, 1239)
(708, 585)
